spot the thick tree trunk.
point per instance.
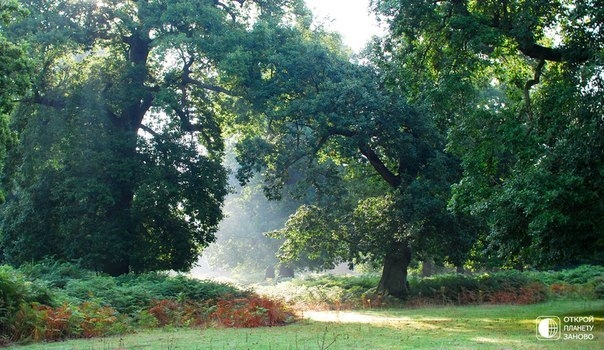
(394, 274)
(125, 124)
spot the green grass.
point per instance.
(467, 327)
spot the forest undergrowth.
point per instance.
(59, 301)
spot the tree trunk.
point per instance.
(286, 272)
(269, 273)
(427, 267)
(125, 125)
(394, 274)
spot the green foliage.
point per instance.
(323, 291)
(129, 294)
(344, 282)
(517, 87)
(599, 289)
(16, 292)
(54, 301)
(54, 273)
(502, 287)
(580, 275)
(118, 163)
(15, 72)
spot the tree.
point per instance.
(118, 163)
(326, 115)
(14, 71)
(518, 86)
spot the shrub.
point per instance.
(599, 288)
(55, 274)
(36, 322)
(250, 312)
(88, 304)
(131, 294)
(93, 320)
(507, 287)
(166, 312)
(445, 288)
(15, 292)
(192, 289)
(584, 274)
(41, 322)
(180, 314)
(327, 291)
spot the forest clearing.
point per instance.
(454, 165)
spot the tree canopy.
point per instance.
(518, 86)
(471, 133)
(119, 159)
(14, 70)
(327, 118)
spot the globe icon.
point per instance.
(548, 328)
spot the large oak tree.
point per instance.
(119, 159)
(328, 120)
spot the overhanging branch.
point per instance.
(539, 52)
(150, 131)
(187, 79)
(375, 161)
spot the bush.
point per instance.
(599, 288)
(250, 312)
(323, 291)
(88, 304)
(15, 292)
(130, 294)
(507, 287)
(584, 274)
(56, 274)
(36, 322)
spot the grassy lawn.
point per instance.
(468, 327)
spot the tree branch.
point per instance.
(150, 131)
(534, 50)
(185, 121)
(526, 44)
(227, 9)
(531, 83)
(375, 161)
(47, 101)
(186, 79)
